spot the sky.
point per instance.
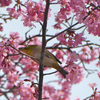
(82, 90)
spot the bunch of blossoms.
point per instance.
(71, 38)
(49, 92)
(79, 8)
(33, 12)
(98, 74)
(13, 76)
(71, 59)
(15, 71)
(89, 54)
(96, 93)
(14, 67)
(87, 12)
(4, 3)
(98, 63)
(6, 50)
(76, 71)
(1, 28)
(26, 92)
(75, 75)
(62, 15)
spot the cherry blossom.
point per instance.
(20, 74)
(4, 3)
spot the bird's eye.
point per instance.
(26, 46)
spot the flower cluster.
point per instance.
(33, 12)
(87, 12)
(4, 3)
(20, 73)
(26, 93)
(62, 15)
(96, 94)
(89, 54)
(1, 28)
(71, 39)
(14, 67)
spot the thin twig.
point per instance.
(38, 35)
(89, 97)
(27, 32)
(50, 73)
(62, 32)
(56, 47)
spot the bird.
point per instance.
(49, 60)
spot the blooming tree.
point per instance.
(19, 77)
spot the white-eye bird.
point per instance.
(49, 59)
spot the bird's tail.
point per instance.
(63, 72)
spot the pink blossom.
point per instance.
(92, 85)
(71, 39)
(26, 92)
(31, 68)
(70, 42)
(98, 64)
(14, 35)
(35, 41)
(12, 98)
(57, 26)
(79, 7)
(79, 38)
(13, 13)
(62, 14)
(98, 74)
(51, 93)
(1, 28)
(96, 93)
(97, 96)
(98, 2)
(18, 70)
(60, 17)
(89, 54)
(4, 3)
(77, 98)
(62, 39)
(34, 13)
(27, 21)
(12, 77)
(60, 55)
(76, 74)
(74, 56)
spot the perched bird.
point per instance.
(49, 59)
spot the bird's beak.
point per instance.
(20, 49)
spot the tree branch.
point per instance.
(62, 31)
(43, 50)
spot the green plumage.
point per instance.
(49, 59)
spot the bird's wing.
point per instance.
(50, 55)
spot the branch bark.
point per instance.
(43, 50)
